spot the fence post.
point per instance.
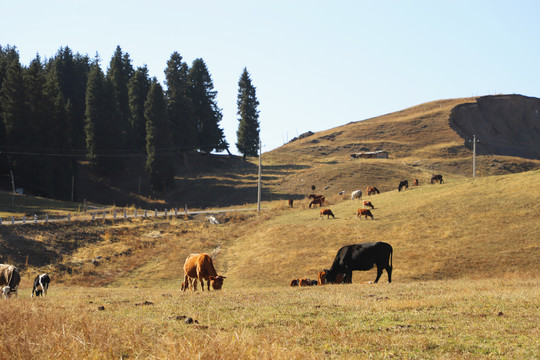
(12, 220)
(135, 213)
(0, 221)
(155, 213)
(69, 217)
(93, 216)
(35, 219)
(46, 218)
(24, 219)
(104, 215)
(125, 214)
(114, 214)
(165, 212)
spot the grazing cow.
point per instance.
(41, 285)
(403, 184)
(356, 194)
(9, 279)
(317, 199)
(365, 213)
(372, 190)
(362, 257)
(415, 183)
(327, 212)
(200, 267)
(291, 203)
(294, 282)
(436, 178)
(368, 204)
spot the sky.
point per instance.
(315, 64)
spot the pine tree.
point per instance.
(118, 74)
(179, 105)
(71, 73)
(12, 98)
(206, 113)
(100, 129)
(159, 158)
(248, 128)
(139, 85)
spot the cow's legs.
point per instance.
(389, 272)
(202, 283)
(379, 273)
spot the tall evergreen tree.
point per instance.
(178, 104)
(12, 98)
(119, 72)
(38, 175)
(101, 131)
(71, 73)
(139, 85)
(248, 128)
(206, 112)
(159, 158)
(7, 55)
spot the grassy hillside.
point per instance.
(465, 281)
(438, 232)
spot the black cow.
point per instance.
(41, 285)
(362, 257)
(436, 178)
(403, 184)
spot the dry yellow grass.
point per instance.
(447, 319)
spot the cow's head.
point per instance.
(6, 292)
(330, 276)
(217, 282)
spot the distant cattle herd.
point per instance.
(200, 267)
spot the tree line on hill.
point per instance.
(56, 111)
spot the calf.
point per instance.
(41, 285)
(294, 282)
(365, 213)
(326, 212)
(340, 279)
(368, 204)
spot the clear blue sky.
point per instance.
(316, 64)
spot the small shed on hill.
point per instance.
(380, 154)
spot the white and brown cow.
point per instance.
(9, 280)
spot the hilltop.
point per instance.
(421, 140)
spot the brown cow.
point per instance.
(372, 190)
(368, 204)
(327, 212)
(291, 201)
(317, 199)
(365, 213)
(9, 280)
(294, 282)
(200, 267)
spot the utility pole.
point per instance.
(474, 141)
(259, 182)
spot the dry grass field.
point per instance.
(465, 281)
